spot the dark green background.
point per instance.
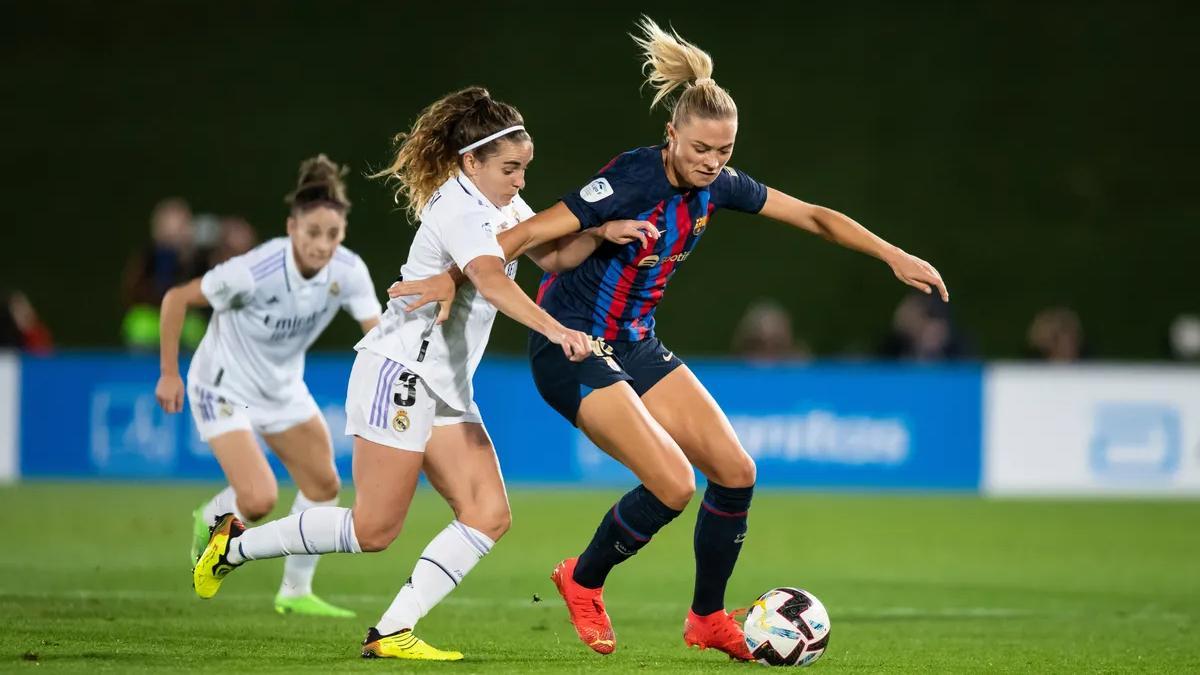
(1037, 154)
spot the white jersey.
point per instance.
(458, 225)
(266, 315)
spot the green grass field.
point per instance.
(95, 578)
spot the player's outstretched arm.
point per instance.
(556, 221)
(536, 236)
(544, 227)
(487, 274)
(844, 231)
(569, 252)
(169, 390)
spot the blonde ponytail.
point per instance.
(670, 62)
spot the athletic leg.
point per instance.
(461, 465)
(690, 414)
(307, 451)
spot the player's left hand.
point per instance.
(627, 231)
(917, 273)
(439, 289)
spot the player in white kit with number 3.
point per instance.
(409, 402)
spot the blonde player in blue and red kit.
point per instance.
(634, 398)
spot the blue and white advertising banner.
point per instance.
(842, 426)
(1092, 430)
(823, 426)
(10, 416)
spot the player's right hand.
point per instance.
(575, 344)
(169, 392)
(439, 289)
(627, 231)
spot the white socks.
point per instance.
(298, 570)
(442, 566)
(321, 529)
(224, 502)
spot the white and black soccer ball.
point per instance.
(787, 627)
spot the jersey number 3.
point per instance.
(406, 393)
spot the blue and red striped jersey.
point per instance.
(614, 293)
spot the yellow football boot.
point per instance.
(403, 645)
(212, 566)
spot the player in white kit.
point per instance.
(247, 376)
(409, 402)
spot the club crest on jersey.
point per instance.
(224, 408)
(699, 226)
(335, 289)
(596, 190)
(400, 421)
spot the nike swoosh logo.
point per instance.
(668, 356)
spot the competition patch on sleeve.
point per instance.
(596, 190)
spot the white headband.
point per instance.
(488, 139)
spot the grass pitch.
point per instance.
(95, 578)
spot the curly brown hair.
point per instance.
(427, 154)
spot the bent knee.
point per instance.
(675, 492)
(375, 536)
(324, 490)
(257, 504)
(740, 473)
(493, 521)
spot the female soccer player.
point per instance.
(247, 375)
(635, 399)
(409, 403)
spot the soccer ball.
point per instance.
(787, 627)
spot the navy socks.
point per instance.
(720, 530)
(626, 528)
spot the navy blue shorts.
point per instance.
(563, 383)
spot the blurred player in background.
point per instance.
(410, 402)
(634, 398)
(247, 376)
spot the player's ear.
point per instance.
(672, 135)
(292, 225)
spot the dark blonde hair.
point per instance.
(670, 62)
(427, 154)
(321, 183)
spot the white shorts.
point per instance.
(217, 412)
(388, 404)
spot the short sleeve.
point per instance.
(602, 199)
(470, 235)
(522, 208)
(360, 301)
(740, 192)
(228, 285)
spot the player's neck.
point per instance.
(672, 177)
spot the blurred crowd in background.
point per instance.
(184, 245)
(923, 330)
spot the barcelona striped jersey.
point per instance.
(613, 294)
